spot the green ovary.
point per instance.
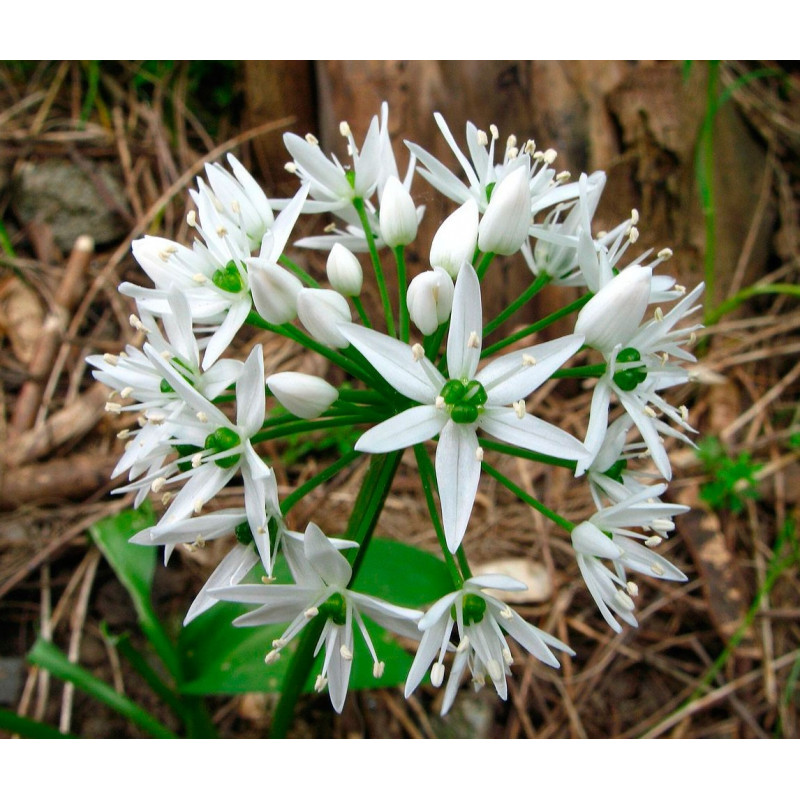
(221, 440)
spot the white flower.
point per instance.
(321, 588)
(240, 199)
(482, 623)
(607, 535)
(344, 271)
(504, 226)
(430, 300)
(398, 215)
(470, 399)
(217, 449)
(305, 396)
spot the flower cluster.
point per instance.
(424, 368)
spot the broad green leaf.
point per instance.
(29, 728)
(221, 659)
(135, 566)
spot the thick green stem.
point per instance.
(484, 265)
(520, 452)
(362, 312)
(529, 499)
(363, 520)
(540, 282)
(358, 203)
(321, 477)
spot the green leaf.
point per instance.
(29, 728)
(49, 657)
(134, 566)
(221, 659)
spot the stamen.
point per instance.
(271, 657)
(311, 139)
(278, 643)
(158, 484)
(665, 254)
(320, 683)
(377, 669)
(563, 177)
(197, 460)
(549, 156)
(198, 506)
(684, 412)
(417, 351)
(658, 314)
(124, 433)
(191, 219)
(479, 454)
(331, 228)
(495, 670)
(267, 579)
(439, 402)
(474, 342)
(493, 130)
(649, 411)
(633, 589)
(110, 358)
(657, 569)
(113, 408)
(310, 613)
(625, 600)
(511, 142)
(137, 324)
(633, 235)
(528, 361)
(344, 129)
(290, 167)
(463, 645)
(126, 392)
(507, 657)
(506, 613)
(199, 278)
(202, 416)
(653, 541)
(634, 217)
(346, 653)
(519, 408)
(437, 674)
(483, 139)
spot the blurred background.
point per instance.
(707, 152)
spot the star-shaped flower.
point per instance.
(455, 407)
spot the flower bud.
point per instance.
(398, 216)
(504, 227)
(305, 396)
(430, 299)
(344, 271)
(274, 291)
(613, 315)
(454, 242)
(321, 311)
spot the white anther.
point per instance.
(649, 411)
(478, 681)
(463, 645)
(199, 543)
(658, 314)
(662, 525)
(653, 541)
(156, 418)
(507, 657)
(633, 588)
(474, 342)
(346, 653)
(493, 130)
(664, 357)
(202, 416)
(197, 460)
(260, 530)
(512, 152)
(483, 139)
(563, 177)
(126, 392)
(267, 579)
(271, 657)
(124, 433)
(198, 506)
(528, 361)
(692, 338)
(199, 278)
(634, 217)
(137, 324)
(680, 288)
(222, 232)
(158, 484)
(113, 408)
(495, 670)
(549, 155)
(437, 674)
(417, 351)
(310, 613)
(110, 358)
(665, 254)
(506, 613)
(311, 139)
(684, 412)
(633, 235)
(625, 600)
(330, 228)
(657, 569)
(377, 669)
(166, 498)
(519, 408)
(320, 683)
(278, 643)
(439, 402)
(290, 167)
(479, 454)
(191, 218)
(344, 128)
(530, 147)
(511, 142)
(235, 207)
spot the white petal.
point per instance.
(394, 361)
(329, 563)
(223, 336)
(409, 427)
(458, 472)
(250, 394)
(464, 348)
(530, 433)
